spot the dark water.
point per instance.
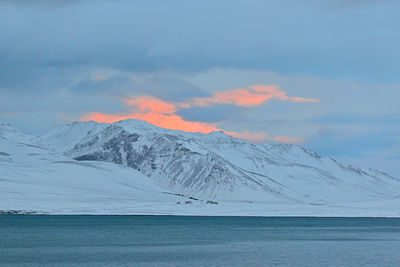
(197, 241)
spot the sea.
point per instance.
(48, 240)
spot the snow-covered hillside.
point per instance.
(9, 132)
(33, 178)
(132, 167)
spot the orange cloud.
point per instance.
(163, 114)
(253, 95)
(146, 104)
(154, 111)
(176, 122)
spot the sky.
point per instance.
(320, 74)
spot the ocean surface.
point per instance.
(197, 241)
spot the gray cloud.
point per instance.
(169, 89)
(191, 36)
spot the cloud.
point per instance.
(147, 104)
(164, 114)
(126, 39)
(229, 103)
(154, 111)
(253, 95)
(166, 88)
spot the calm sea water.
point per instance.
(197, 241)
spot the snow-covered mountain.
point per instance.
(244, 178)
(33, 178)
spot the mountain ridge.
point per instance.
(217, 167)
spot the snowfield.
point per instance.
(132, 167)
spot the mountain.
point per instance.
(33, 178)
(176, 166)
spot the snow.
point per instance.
(39, 174)
(34, 178)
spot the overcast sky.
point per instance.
(323, 74)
